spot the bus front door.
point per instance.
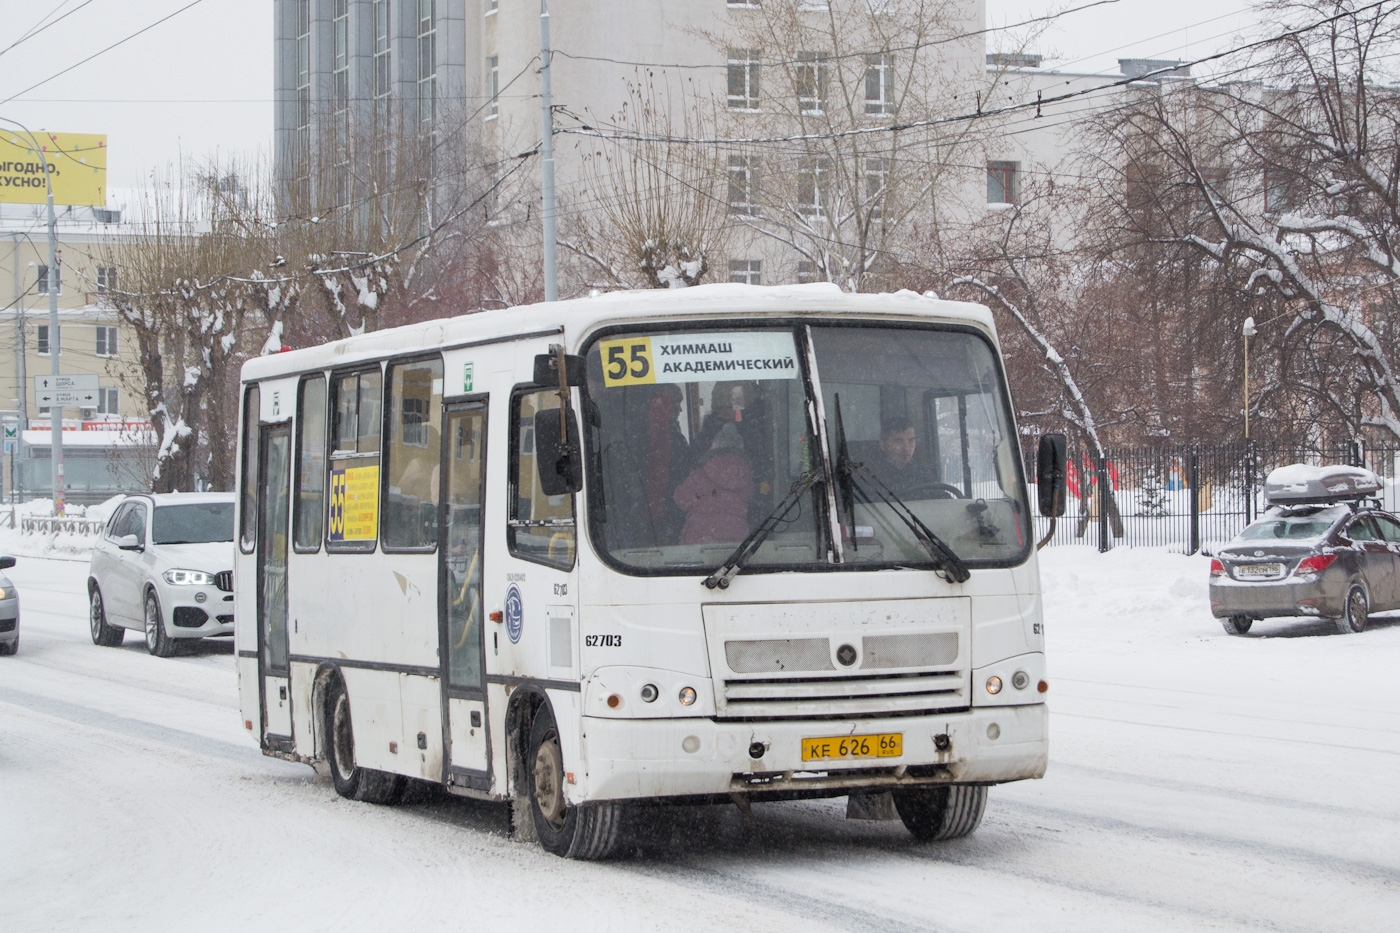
(274, 484)
(460, 628)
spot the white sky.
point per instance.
(201, 82)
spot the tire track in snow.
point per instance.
(1311, 743)
(93, 718)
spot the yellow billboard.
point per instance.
(76, 163)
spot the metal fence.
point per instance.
(1188, 499)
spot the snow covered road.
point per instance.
(1197, 781)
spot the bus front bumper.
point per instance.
(644, 758)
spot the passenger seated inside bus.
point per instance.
(715, 497)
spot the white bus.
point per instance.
(720, 544)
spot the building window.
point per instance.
(107, 401)
(427, 62)
(382, 74)
(809, 79)
(340, 78)
(879, 84)
(42, 287)
(493, 72)
(745, 271)
(1001, 182)
(743, 185)
(106, 341)
(877, 176)
(744, 4)
(491, 6)
(811, 178)
(806, 272)
(106, 278)
(1278, 193)
(42, 340)
(302, 134)
(743, 79)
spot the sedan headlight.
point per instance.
(7, 592)
(188, 578)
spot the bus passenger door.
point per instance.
(467, 760)
(274, 485)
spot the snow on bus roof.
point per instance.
(720, 300)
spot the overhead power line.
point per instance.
(980, 114)
(109, 48)
(40, 28)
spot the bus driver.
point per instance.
(895, 465)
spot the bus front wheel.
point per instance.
(935, 814)
(351, 780)
(585, 831)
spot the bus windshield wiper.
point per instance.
(749, 546)
(850, 476)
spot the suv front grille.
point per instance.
(224, 580)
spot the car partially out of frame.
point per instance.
(1321, 550)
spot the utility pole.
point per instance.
(547, 214)
(21, 350)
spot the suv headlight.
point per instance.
(7, 592)
(188, 578)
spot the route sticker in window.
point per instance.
(354, 502)
(632, 361)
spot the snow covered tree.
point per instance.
(1287, 182)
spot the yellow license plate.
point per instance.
(837, 747)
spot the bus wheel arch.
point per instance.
(352, 780)
(578, 831)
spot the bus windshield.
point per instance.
(695, 436)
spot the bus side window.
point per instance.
(412, 451)
(354, 457)
(248, 510)
(309, 518)
(541, 527)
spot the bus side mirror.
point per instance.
(6, 563)
(547, 369)
(1050, 474)
(558, 459)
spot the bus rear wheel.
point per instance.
(936, 814)
(584, 831)
(352, 781)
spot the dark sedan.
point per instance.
(1332, 561)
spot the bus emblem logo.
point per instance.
(515, 614)
(846, 654)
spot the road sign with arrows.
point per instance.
(66, 390)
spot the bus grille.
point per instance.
(803, 680)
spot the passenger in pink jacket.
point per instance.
(715, 496)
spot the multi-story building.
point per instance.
(468, 70)
(89, 342)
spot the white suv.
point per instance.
(164, 565)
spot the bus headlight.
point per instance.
(994, 685)
(649, 693)
(687, 696)
(1020, 680)
(188, 578)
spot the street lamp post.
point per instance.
(1247, 331)
(55, 410)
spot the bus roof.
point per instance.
(581, 315)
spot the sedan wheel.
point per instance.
(1236, 625)
(1355, 613)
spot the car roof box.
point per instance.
(1299, 483)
